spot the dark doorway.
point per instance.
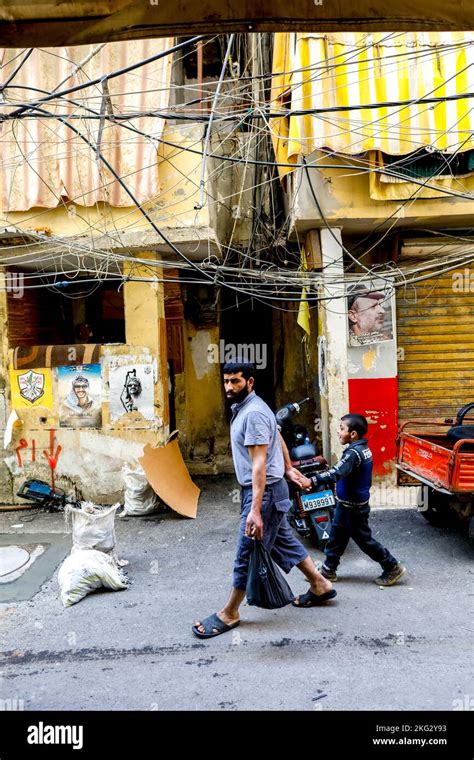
(247, 323)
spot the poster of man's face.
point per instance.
(131, 390)
(370, 315)
(80, 396)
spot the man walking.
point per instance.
(260, 463)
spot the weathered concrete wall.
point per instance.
(91, 459)
(333, 322)
(200, 404)
(345, 200)
(231, 186)
(296, 367)
(6, 481)
(118, 228)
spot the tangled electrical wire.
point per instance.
(238, 111)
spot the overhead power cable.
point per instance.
(111, 75)
(200, 203)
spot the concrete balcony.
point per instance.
(344, 198)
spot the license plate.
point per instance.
(312, 501)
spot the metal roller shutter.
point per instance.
(435, 333)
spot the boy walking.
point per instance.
(353, 475)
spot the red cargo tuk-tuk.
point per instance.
(440, 455)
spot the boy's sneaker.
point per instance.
(327, 573)
(389, 577)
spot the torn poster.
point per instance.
(9, 429)
(29, 357)
(80, 396)
(31, 388)
(131, 389)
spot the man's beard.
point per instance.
(239, 397)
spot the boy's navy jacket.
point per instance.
(353, 474)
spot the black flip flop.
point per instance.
(314, 600)
(209, 624)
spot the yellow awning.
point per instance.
(327, 71)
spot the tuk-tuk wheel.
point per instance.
(434, 506)
(471, 531)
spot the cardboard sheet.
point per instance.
(168, 476)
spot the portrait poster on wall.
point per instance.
(370, 313)
(131, 390)
(80, 396)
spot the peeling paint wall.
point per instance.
(345, 201)
(91, 459)
(6, 480)
(296, 368)
(200, 404)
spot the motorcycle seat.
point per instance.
(459, 432)
(303, 451)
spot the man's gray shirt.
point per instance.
(253, 424)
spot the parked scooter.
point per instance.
(311, 512)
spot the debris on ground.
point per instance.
(85, 571)
(140, 498)
(92, 563)
(93, 527)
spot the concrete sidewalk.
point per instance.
(408, 647)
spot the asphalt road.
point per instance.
(408, 647)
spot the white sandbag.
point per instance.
(140, 498)
(86, 571)
(93, 527)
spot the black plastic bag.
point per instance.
(266, 586)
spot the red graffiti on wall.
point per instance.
(52, 456)
(23, 444)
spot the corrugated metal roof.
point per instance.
(42, 162)
(334, 71)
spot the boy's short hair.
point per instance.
(247, 368)
(356, 422)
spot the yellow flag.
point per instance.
(31, 388)
(303, 313)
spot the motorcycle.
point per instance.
(311, 513)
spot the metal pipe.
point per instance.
(199, 72)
